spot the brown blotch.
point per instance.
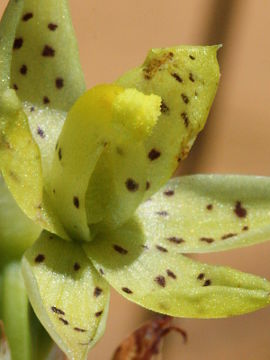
(27, 16)
(168, 192)
(127, 290)
(32, 109)
(131, 185)
(99, 313)
(200, 276)
(162, 213)
(147, 186)
(209, 207)
(160, 280)
(23, 70)
(227, 236)
(101, 271)
(245, 228)
(191, 78)
(39, 258)
(76, 266)
(185, 98)
(46, 100)
(97, 291)
(48, 51)
(15, 87)
(171, 274)
(120, 250)
(161, 248)
(79, 329)
(54, 191)
(176, 240)
(207, 240)
(163, 107)
(192, 57)
(154, 154)
(185, 118)
(207, 282)
(52, 26)
(177, 77)
(239, 210)
(155, 65)
(57, 310)
(64, 321)
(40, 132)
(59, 83)
(18, 43)
(76, 202)
(59, 154)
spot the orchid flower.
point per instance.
(91, 169)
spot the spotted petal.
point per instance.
(67, 294)
(186, 78)
(168, 282)
(205, 213)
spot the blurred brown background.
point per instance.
(115, 36)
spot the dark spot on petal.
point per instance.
(147, 186)
(15, 86)
(59, 83)
(52, 26)
(185, 118)
(23, 70)
(176, 240)
(76, 266)
(97, 291)
(160, 280)
(185, 98)
(54, 191)
(191, 57)
(127, 290)
(48, 51)
(99, 313)
(162, 213)
(145, 247)
(27, 16)
(245, 228)
(120, 250)
(191, 78)
(207, 240)
(76, 202)
(154, 154)
(177, 77)
(163, 107)
(18, 42)
(32, 109)
(171, 274)
(200, 276)
(239, 210)
(101, 271)
(209, 207)
(161, 248)
(169, 193)
(46, 100)
(79, 329)
(60, 154)
(39, 258)
(57, 310)
(64, 321)
(40, 132)
(132, 185)
(227, 236)
(207, 282)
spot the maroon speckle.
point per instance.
(245, 228)
(59, 153)
(209, 207)
(185, 98)
(52, 26)
(207, 240)
(46, 100)
(59, 83)
(23, 70)
(176, 240)
(154, 154)
(76, 266)
(191, 57)
(200, 276)
(48, 51)
(227, 236)
(64, 321)
(39, 258)
(185, 118)
(162, 213)
(163, 107)
(79, 329)
(191, 78)
(120, 250)
(127, 290)
(131, 185)
(27, 16)
(76, 202)
(97, 291)
(207, 282)
(171, 274)
(40, 132)
(239, 210)
(177, 77)
(147, 186)
(18, 42)
(169, 193)
(160, 280)
(57, 310)
(99, 313)
(161, 248)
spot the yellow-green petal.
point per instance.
(186, 79)
(67, 294)
(206, 213)
(165, 281)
